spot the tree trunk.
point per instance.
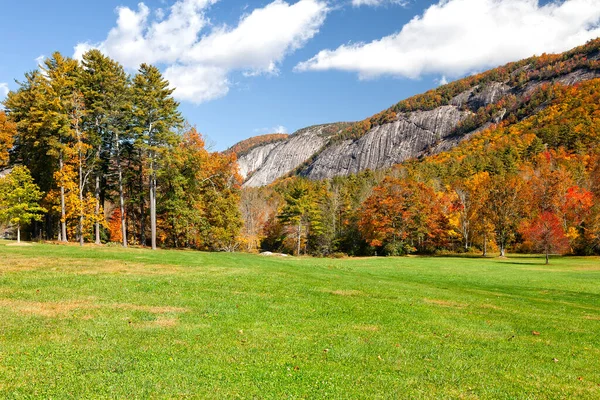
(142, 211)
(63, 211)
(97, 211)
(153, 207)
(547, 256)
(502, 252)
(19, 233)
(299, 236)
(121, 199)
(485, 244)
(81, 184)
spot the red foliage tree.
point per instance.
(547, 234)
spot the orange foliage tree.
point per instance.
(403, 216)
(8, 131)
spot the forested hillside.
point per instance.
(434, 121)
(528, 185)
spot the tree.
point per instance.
(402, 216)
(106, 94)
(58, 105)
(505, 207)
(8, 131)
(546, 233)
(199, 196)
(155, 116)
(299, 210)
(19, 199)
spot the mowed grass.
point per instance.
(114, 323)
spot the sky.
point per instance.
(241, 68)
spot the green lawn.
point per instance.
(113, 323)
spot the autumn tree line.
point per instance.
(103, 156)
(530, 186)
(92, 154)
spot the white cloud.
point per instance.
(275, 129)
(3, 90)
(377, 3)
(198, 65)
(198, 83)
(280, 129)
(455, 37)
(40, 60)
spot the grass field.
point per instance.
(113, 323)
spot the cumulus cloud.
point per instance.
(275, 129)
(3, 90)
(377, 3)
(456, 37)
(198, 61)
(198, 83)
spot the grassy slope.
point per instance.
(114, 323)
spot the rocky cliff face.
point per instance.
(387, 144)
(264, 164)
(412, 134)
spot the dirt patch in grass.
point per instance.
(368, 328)
(346, 292)
(446, 303)
(85, 266)
(150, 309)
(490, 306)
(63, 308)
(22, 244)
(588, 268)
(45, 309)
(166, 322)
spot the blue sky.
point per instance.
(244, 68)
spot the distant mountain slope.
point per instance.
(265, 163)
(246, 146)
(424, 124)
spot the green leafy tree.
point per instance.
(19, 199)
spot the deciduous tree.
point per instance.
(19, 199)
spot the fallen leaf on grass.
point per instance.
(535, 333)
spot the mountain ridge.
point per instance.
(421, 125)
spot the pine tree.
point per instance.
(107, 97)
(155, 118)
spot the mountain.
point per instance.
(426, 124)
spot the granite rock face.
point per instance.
(411, 135)
(264, 164)
(386, 145)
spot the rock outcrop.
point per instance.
(264, 164)
(386, 145)
(317, 152)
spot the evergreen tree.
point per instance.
(155, 116)
(107, 96)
